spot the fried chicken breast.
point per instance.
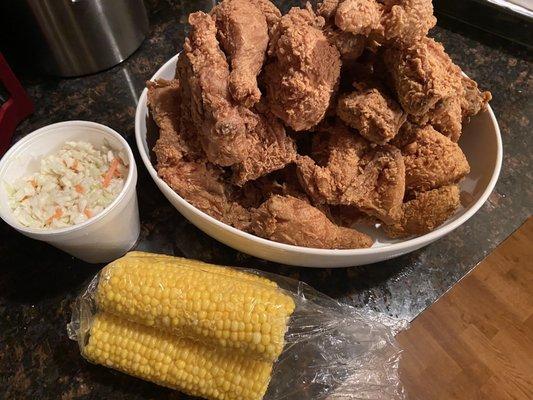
(303, 72)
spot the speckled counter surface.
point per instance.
(38, 283)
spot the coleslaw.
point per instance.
(72, 185)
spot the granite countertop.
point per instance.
(39, 283)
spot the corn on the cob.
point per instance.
(178, 363)
(228, 271)
(216, 306)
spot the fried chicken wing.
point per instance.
(425, 212)
(422, 75)
(243, 33)
(293, 221)
(253, 143)
(304, 71)
(181, 163)
(355, 174)
(431, 159)
(372, 112)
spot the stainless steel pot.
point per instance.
(79, 37)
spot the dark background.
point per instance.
(38, 283)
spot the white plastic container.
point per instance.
(102, 238)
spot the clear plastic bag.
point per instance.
(332, 350)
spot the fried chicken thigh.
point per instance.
(355, 174)
(287, 219)
(372, 112)
(425, 212)
(422, 75)
(243, 33)
(181, 163)
(431, 159)
(231, 135)
(304, 71)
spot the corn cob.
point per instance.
(177, 363)
(219, 307)
(228, 271)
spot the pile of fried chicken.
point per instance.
(297, 128)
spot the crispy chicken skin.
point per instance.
(340, 153)
(293, 221)
(473, 100)
(372, 112)
(231, 135)
(422, 75)
(355, 174)
(391, 22)
(425, 212)
(358, 16)
(380, 187)
(431, 159)
(181, 164)
(204, 74)
(243, 33)
(304, 71)
(446, 117)
(405, 22)
(271, 148)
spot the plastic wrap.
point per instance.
(332, 350)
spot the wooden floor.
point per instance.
(476, 342)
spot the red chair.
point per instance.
(15, 104)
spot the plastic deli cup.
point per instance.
(102, 238)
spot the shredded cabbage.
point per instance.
(73, 185)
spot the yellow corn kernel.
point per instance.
(205, 266)
(197, 300)
(177, 363)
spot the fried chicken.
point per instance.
(431, 159)
(355, 174)
(405, 22)
(350, 46)
(372, 112)
(359, 17)
(293, 221)
(303, 73)
(422, 75)
(272, 149)
(181, 163)
(207, 104)
(446, 117)
(231, 135)
(339, 152)
(473, 100)
(425, 212)
(243, 33)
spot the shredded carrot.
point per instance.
(79, 189)
(75, 166)
(88, 213)
(110, 172)
(56, 215)
(33, 183)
